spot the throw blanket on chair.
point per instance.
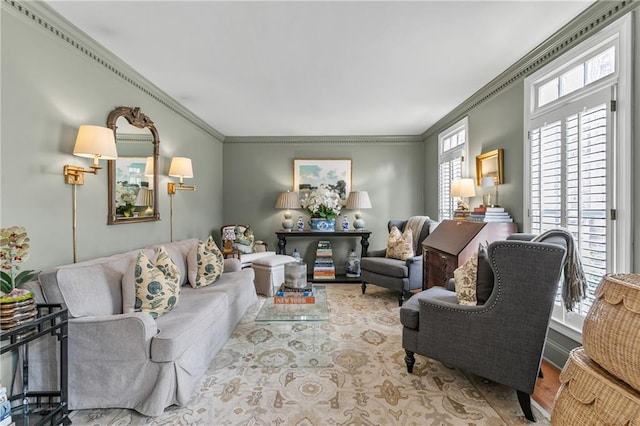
(574, 285)
(415, 223)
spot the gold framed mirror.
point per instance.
(490, 164)
(133, 177)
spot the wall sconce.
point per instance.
(355, 201)
(287, 200)
(462, 188)
(93, 142)
(180, 167)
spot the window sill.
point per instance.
(565, 330)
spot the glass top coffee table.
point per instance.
(296, 312)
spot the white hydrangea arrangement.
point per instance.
(323, 203)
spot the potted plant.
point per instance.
(14, 246)
(324, 204)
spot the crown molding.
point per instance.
(591, 20)
(49, 20)
(342, 140)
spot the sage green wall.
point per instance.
(254, 174)
(49, 88)
(496, 123)
(499, 123)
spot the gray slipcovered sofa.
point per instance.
(131, 360)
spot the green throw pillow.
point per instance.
(157, 284)
(205, 263)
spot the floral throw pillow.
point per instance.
(244, 240)
(205, 263)
(465, 277)
(157, 283)
(400, 244)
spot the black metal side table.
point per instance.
(40, 407)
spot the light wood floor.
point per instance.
(547, 386)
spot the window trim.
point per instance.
(619, 33)
(460, 151)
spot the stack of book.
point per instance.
(477, 215)
(460, 214)
(286, 295)
(323, 267)
(497, 214)
(5, 408)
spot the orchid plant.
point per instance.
(323, 203)
(14, 246)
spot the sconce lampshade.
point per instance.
(148, 168)
(95, 142)
(287, 200)
(463, 188)
(358, 200)
(181, 167)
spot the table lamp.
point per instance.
(358, 200)
(287, 200)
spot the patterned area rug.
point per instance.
(349, 370)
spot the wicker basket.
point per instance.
(611, 331)
(590, 396)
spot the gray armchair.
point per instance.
(501, 340)
(394, 274)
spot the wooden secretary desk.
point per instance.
(453, 242)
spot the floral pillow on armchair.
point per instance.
(244, 241)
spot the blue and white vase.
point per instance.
(300, 223)
(352, 266)
(345, 223)
(319, 224)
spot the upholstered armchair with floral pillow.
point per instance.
(399, 266)
(241, 239)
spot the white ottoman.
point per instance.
(269, 273)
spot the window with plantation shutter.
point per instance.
(575, 146)
(452, 145)
(568, 186)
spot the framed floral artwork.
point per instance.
(309, 173)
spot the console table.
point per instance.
(363, 235)
(453, 242)
(48, 407)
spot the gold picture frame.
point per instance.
(308, 173)
(490, 164)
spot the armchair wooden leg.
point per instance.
(401, 298)
(410, 360)
(525, 403)
(364, 287)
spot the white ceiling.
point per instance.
(271, 68)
